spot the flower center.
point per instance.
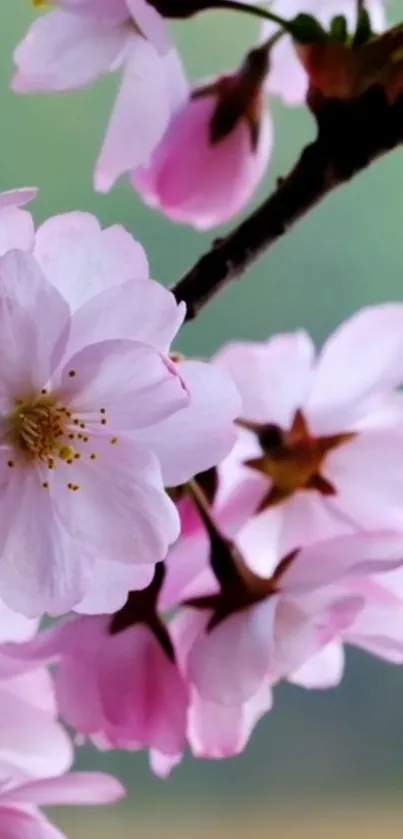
(37, 428)
(41, 430)
(293, 459)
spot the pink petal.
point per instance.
(228, 664)
(64, 51)
(29, 353)
(21, 823)
(16, 229)
(161, 764)
(218, 731)
(338, 384)
(202, 433)
(121, 511)
(323, 670)
(17, 197)
(15, 627)
(300, 520)
(132, 382)
(138, 309)
(140, 115)
(143, 695)
(107, 592)
(32, 742)
(307, 624)
(332, 560)
(273, 378)
(82, 260)
(151, 24)
(369, 487)
(73, 788)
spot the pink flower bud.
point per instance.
(215, 151)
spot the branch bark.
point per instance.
(350, 136)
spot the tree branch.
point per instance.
(350, 136)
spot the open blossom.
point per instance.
(214, 152)
(323, 435)
(19, 813)
(84, 480)
(77, 41)
(287, 77)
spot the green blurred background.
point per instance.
(321, 763)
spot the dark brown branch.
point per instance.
(351, 135)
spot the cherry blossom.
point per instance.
(77, 41)
(76, 484)
(287, 77)
(214, 152)
(321, 436)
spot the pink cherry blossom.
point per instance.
(328, 432)
(76, 484)
(19, 814)
(287, 77)
(254, 631)
(213, 154)
(77, 41)
(16, 225)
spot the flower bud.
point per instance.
(215, 150)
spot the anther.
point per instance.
(44, 391)
(85, 438)
(72, 373)
(93, 456)
(102, 411)
(82, 425)
(114, 440)
(103, 421)
(10, 463)
(45, 484)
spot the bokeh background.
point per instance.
(321, 764)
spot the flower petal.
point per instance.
(273, 377)
(64, 51)
(202, 433)
(82, 260)
(73, 788)
(140, 115)
(138, 309)
(131, 382)
(324, 670)
(228, 664)
(374, 339)
(28, 352)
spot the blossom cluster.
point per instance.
(212, 527)
(198, 531)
